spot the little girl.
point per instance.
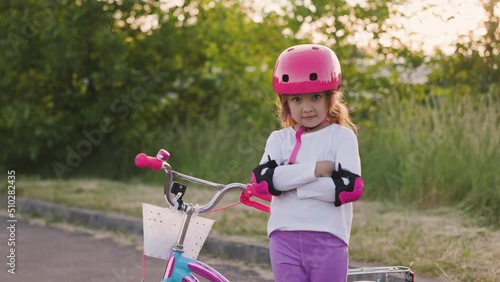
(312, 167)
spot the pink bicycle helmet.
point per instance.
(306, 68)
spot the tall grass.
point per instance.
(437, 152)
(440, 151)
(222, 150)
(426, 153)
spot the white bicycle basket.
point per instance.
(161, 230)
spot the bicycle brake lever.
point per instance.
(245, 199)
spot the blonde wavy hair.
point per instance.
(337, 110)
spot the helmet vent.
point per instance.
(313, 76)
(285, 78)
(315, 48)
(291, 49)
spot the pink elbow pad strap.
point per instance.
(264, 173)
(346, 193)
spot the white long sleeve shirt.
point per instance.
(307, 201)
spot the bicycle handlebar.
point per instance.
(160, 161)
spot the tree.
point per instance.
(473, 69)
(88, 80)
(70, 68)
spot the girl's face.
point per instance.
(308, 110)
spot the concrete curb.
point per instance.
(222, 247)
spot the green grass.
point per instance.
(434, 153)
(218, 151)
(439, 242)
(439, 152)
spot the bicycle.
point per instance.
(181, 268)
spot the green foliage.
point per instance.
(87, 84)
(71, 75)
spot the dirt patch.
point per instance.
(442, 243)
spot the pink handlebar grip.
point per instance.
(142, 160)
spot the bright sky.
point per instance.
(438, 26)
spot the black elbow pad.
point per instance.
(265, 172)
(345, 193)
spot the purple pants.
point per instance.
(300, 256)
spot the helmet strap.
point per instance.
(298, 139)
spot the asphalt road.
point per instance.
(48, 254)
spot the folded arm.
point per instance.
(324, 188)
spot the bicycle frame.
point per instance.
(180, 268)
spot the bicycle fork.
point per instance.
(179, 267)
